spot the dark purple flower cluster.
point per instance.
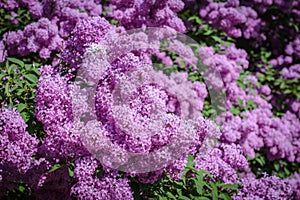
(267, 187)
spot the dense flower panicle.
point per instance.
(293, 72)
(106, 188)
(67, 13)
(52, 98)
(62, 141)
(89, 186)
(54, 110)
(86, 32)
(85, 167)
(229, 65)
(278, 135)
(184, 52)
(17, 147)
(294, 181)
(223, 71)
(38, 37)
(56, 20)
(267, 187)
(263, 5)
(257, 128)
(235, 20)
(136, 14)
(151, 95)
(222, 162)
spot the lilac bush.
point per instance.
(134, 135)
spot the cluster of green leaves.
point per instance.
(204, 33)
(281, 168)
(18, 83)
(195, 184)
(241, 107)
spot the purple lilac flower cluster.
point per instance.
(17, 148)
(257, 128)
(89, 186)
(56, 20)
(231, 17)
(267, 187)
(136, 14)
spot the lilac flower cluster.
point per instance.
(89, 186)
(56, 20)
(262, 5)
(294, 181)
(38, 37)
(86, 32)
(267, 187)
(136, 14)
(259, 129)
(17, 148)
(229, 66)
(54, 110)
(231, 17)
(223, 161)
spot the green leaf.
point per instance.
(36, 71)
(202, 198)
(199, 182)
(17, 61)
(55, 167)
(190, 162)
(230, 186)
(11, 69)
(214, 191)
(221, 108)
(170, 195)
(224, 196)
(162, 198)
(2, 75)
(71, 172)
(21, 107)
(28, 67)
(7, 88)
(261, 77)
(21, 188)
(240, 102)
(25, 116)
(217, 39)
(184, 198)
(286, 171)
(276, 166)
(235, 110)
(31, 78)
(206, 173)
